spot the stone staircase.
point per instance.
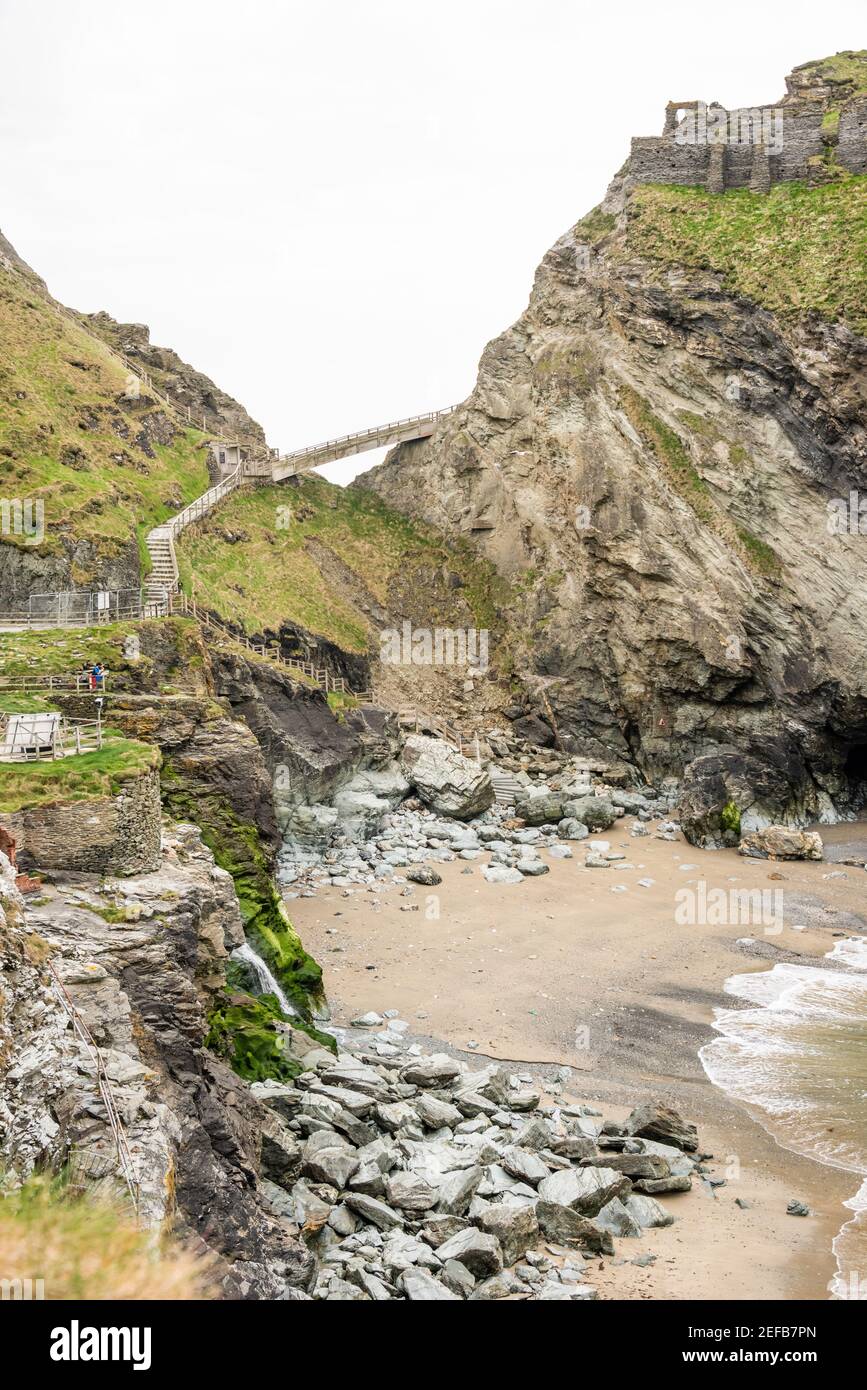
(507, 788)
(163, 580)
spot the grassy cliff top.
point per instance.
(331, 560)
(848, 70)
(794, 250)
(106, 466)
(85, 777)
(172, 644)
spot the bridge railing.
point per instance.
(372, 436)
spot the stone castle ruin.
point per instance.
(816, 133)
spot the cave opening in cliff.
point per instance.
(855, 769)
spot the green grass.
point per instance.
(849, 69)
(316, 555)
(671, 452)
(70, 438)
(595, 225)
(763, 558)
(92, 1250)
(794, 250)
(13, 703)
(79, 778)
(674, 455)
(63, 651)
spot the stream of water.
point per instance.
(265, 980)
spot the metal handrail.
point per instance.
(121, 1144)
(430, 417)
(62, 741)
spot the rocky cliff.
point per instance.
(91, 457)
(140, 964)
(666, 452)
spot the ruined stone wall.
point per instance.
(852, 142)
(797, 139)
(107, 835)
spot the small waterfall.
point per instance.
(264, 979)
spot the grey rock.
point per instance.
(593, 811)
(436, 1070)
(445, 780)
(654, 1120)
(670, 1184)
(500, 873)
(516, 1229)
(458, 1278)
(524, 1165)
(372, 1210)
(616, 1218)
(532, 868)
(646, 1211)
(586, 1190)
(478, 1250)
(334, 1166)
(424, 874)
(568, 1227)
(436, 1114)
(421, 1287)
(409, 1192)
(457, 1189)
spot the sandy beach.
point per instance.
(587, 968)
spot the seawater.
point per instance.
(798, 1052)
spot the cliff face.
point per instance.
(142, 961)
(660, 447)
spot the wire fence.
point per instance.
(121, 1144)
(76, 608)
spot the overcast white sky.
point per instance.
(331, 206)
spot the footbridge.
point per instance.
(266, 467)
(379, 437)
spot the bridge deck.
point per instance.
(380, 436)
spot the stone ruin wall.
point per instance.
(718, 166)
(107, 835)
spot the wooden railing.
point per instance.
(76, 684)
(204, 503)
(188, 607)
(420, 723)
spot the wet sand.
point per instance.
(561, 970)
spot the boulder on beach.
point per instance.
(596, 812)
(654, 1120)
(540, 810)
(779, 842)
(446, 781)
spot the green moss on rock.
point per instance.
(237, 848)
(730, 817)
(243, 1031)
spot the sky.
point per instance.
(331, 207)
